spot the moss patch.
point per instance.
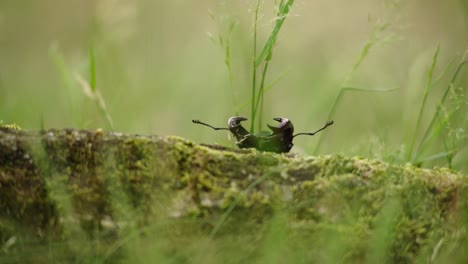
(60, 184)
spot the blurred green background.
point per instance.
(160, 64)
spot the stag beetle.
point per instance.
(279, 140)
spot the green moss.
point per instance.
(107, 181)
(23, 196)
(7, 127)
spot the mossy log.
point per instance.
(57, 181)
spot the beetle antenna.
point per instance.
(329, 123)
(205, 124)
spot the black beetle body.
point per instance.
(279, 140)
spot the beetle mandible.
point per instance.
(280, 139)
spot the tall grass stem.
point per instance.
(430, 128)
(254, 70)
(427, 89)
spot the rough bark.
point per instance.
(57, 181)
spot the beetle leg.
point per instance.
(329, 123)
(205, 124)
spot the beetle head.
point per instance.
(280, 139)
(234, 125)
(284, 126)
(235, 121)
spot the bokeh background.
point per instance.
(160, 64)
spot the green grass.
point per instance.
(264, 58)
(71, 80)
(444, 116)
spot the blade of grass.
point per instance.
(2, 92)
(97, 98)
(227, 61)
(261, 95)
(444, 72)
(254, 70)
(135, 233)
(441, 125)
(370, 43)
(67, 80)
(435, 132)
(57, 189)
(225, 44)
(92, 69)
(423, 104)
(275, 243)
(436, 116)
(260, 98)
(236, 201)
(373, 39)
(338, 100)
(267, 88)
(282, 14)
(439, 155)
(265, 56)
(449, 155)
(384, 234)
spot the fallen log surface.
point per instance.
(57, 184)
